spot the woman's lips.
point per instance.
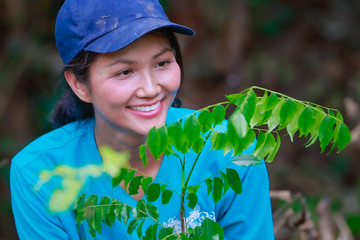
(147, 111)
(146, 108)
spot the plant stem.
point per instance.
(185, 184)
(182, 210)
(182, 200)
(197, 158)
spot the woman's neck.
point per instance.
(129, 142)
(115, 138)
(124, 141)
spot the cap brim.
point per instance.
(126, 34)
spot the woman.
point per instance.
(123, 68)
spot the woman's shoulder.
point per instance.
(54, 142)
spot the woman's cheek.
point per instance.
(175, 79)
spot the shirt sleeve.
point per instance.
(32, 217)
(248, 215)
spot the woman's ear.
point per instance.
(80, 89)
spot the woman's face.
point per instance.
(134, 87)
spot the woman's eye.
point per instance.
(123, 73)
(162, 64)
(126, 72)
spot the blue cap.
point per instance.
(104, 26)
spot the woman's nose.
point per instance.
(149, 86)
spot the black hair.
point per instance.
(70, 108)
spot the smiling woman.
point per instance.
(123, 68)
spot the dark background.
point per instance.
(307, 49)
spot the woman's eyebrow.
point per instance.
(163, 51)
(132, 62)
(121, 60)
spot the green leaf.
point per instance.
(272, 101)
(89, 204)
(139, 229)
(342, 136)
(152, 210)
(132, 226)
(162, 131)
(177, 137)
(104, 204)
(97, 219)
(236, 98)
(157, 141)
(212, 230)
(145, 183)
(209, 184)
(265, 144)
(78, 209)
(274, 119)
(237, 127)
(326, 132)
(122, 212)
(234, 180)
(260, 109)
(273, 153)
(130, 175)
(339, 116)
(120, 177)
(225, 181)
(142, 152)
(309, 123)
(244, 143)
(218, 114)
(293, 126)
(162, 187)
(205, 120)
(166, 196)
(261, 140)
(268, 106)
(217, 189)
(150, 233)
(306, 122)
(198, 231)
(246, 160)
(153, 192)
(248, 105)
(192, 129)
(227, 148)
(198, 145)
(164, 233)
(265, 118)
(192, 200)
(110, 214)
(91, 223)
(318, 116)
(193, 189)
(218, 140)
(140, 211)
(135, 185)
(287, 113)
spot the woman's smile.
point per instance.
(147, 111)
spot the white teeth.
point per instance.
(146, 108)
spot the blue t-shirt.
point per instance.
(245, 216)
